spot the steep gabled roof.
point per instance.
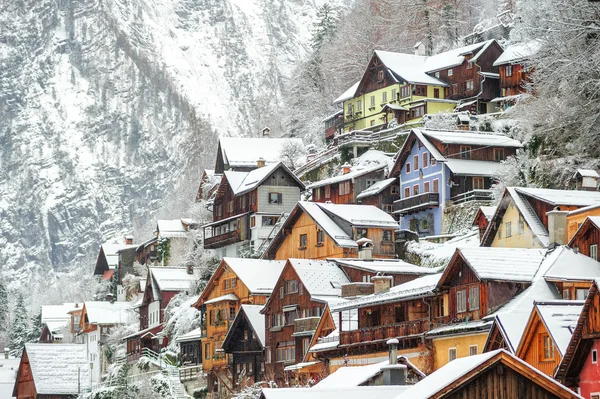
(360, 215)
(320, 277)
(590, 221)
(348, 94)
(170, 228)
(573, 266)
(518, 52)
(244, 152)
(108, 257)
(356, 172)
(409, 67)
(376, 188)
(472, 138)
(388, 266)
(455, 57)
(244, 182)
(256, 321)
(167, 278)
(107, 313)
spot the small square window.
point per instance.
(472, 350)
(450, 73)
(451, 354)
(303, 240)
(594, 356)
(275, 198)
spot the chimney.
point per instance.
(189, 268)
(420, 49)
(261, 162)
(394, 373)
(128, 240)
(557, 226)
(365, 248)
(346, 168)
(382, 283)
(354, 290)
(266, 132)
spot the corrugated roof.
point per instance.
(59, 369)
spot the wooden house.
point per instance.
(146, 253)
(438, 167)
(363, 270)
(162, 284)
(573, 273)
(56, 321)
(586, 179)
(482, 219)
(345, 188)
(382, 195)
(75, 319)
(248, 206)
(209, 183)
(523, 216)
(514, 71)
(547, 334)
(334, 124)
(241, 153)
(321, 231)
(236, 282)
(300, 295)
(587, 237)
(245, 341)
(579, 368)
(48, 371)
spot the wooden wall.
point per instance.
(478, 152)
(25, 383)
(590, 236)
(532, 348)
(515, 81)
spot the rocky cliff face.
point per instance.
(108, 106)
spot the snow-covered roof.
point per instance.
(171, 278)
(409, 67)
(56, 368)
(170, 228)
(414, 288)
(470, 167)
(57, 313)
(517, 52)
(587, 173)
(107, 312)
(336, 233)
(534, 223)
(376, 188)
(562, 197)
(256, 320)
(111, 252)
(560, 318)
(504, 264)
(55, 326)
(354, 173)
(320, 277)
(226, 297)
(392, 266)
(193, 335)
(571, 265)
(371, 392)
(243, 182)
(460, 328)
(488, 211)
(348, 94)
(331, 116)
(472, 138)
(455, 57)
(258, 275)
(361, 215)
(245, 151)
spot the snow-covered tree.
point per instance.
(4, 309)
(324, 27)
(19, 329)
(35, 328)
(291, 153)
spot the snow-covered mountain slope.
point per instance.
(106, 105)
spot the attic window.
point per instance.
(379, 76)
(546, 347)
(450, 72)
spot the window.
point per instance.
(404, 91)
(230, 206)
(417, 111)
(451, 354)
(547, 347)
(465, 152)
(269, 220)
(498, 154)
(469, 65)
(268, 355)
(220, 210)
(425, 159)
(408, 167)
(300, 289)
(455, 88)
(421, 90)
(508, 228)
(521, 227)
(386, 235)
(450, 72)
(350, 108)
(594, 251)
(372, 101)
(436, 186)
(384, 97)
(305, 345)
(291, 286)
(253, 221)
(231, 313)
(416, 162)
(566, 294)
(207, 351)
(327, 191)
(407, 192)
(320, 237)
(437, 74)
(358, 106)
(275, 198)
(594, 356)
(478, 183)
(281, 295)
(432, 161)
(426, 187)
(380, 76)
(581, 294)
(253, 198)
(508, 70)
(303, 240)
(341, 188)
(250, 368)
(416, 189)
(394, 189)
(469, 85)
(361, 233)
(394, 94)
(473, 298)
(286, 351)
(472, 350)
(436, 93)
(317, 193)
(461, 301)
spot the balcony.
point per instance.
(416, 203)
(474, 195)
(222, 240)
(383, 333)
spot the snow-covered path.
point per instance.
(8, 371)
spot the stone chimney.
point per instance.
(420, 49)
(354, 290)
(346, 168)
(365, 248)
(261, 162)
(394, 373)
(557, 226)
(382, 283)
(266, 132)
(128, 239)
(109, 298)
(189, 268)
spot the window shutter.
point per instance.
(279, 198)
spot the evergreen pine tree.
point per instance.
(19, 329)
(4, 319)
(324, 28)
(35, 330)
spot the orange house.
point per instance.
(321, 231)
(236, 281)
(547, 334)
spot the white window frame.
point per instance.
(508, 229)
(450, 72)
(476, 350)
(450, 358)
(594, 354)
(461, 300)
(594, 251)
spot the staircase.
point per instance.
(177, 388)
(225, 377)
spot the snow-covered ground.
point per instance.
(8, 372)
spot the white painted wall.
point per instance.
(154, 314)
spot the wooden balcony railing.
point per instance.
(221, 240)
(474, 195)
(382, 333)
(417, 203)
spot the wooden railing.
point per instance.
(417, 202)
(189, 373)
(380, 333)
(221, 240)
(473, 195)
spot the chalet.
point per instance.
(578, 368)
(572, 273)
(547, 334)
(114, 262)
(514, 71)
(246, 342)
(321, 231)
(482, 219)
(236, 282)
(248, 206)
(576, 218)
(49, 371)
(586, 179)
(56, 320)
(98, 319)
(190, 347)
(146, 253)
(162, 284)
(382, 195)
(75, 319)
(334, 124)
(438, 167)
(523, 218)
(363, 270)
(240, 154)
(344, 188)
(301, 293)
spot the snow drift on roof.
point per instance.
(57, 312)
(107, 312)
(468, 167)
(454, 57)
(55, 368)
(334, 231)
(374, 392)
(193, 335)
(392, 266)
(258, 275)
(170, 228)
(226, 297)
(504, 264)
(517, 52)
(111, 252)
(360, 215)
(348, 94)
(570, 265)
(351, 376)
(354, 173)
(172, 278)
(245, 151)
(409, 67)
(320, 277)
(243, 182)
(587, 173)
(534, 223)
(462, 137)
(560, 318)
(562, 197)
(488, 211)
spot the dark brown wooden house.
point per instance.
(482, 218)
(514, 70)
(586, 239)
(382, 194)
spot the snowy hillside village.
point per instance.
(391, 263)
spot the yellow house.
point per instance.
(394, 87)
(521, 218)
(454, 342)
(576, 218)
